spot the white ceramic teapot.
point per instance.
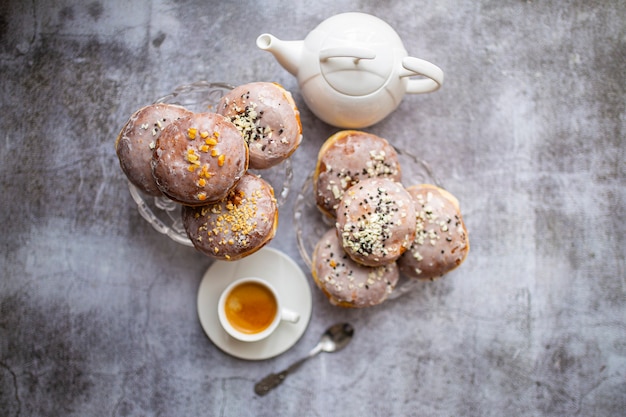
(353, 69)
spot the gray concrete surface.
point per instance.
(97, 310)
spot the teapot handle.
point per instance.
(414, 66)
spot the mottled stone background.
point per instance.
(97, 310)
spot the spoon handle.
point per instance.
(269, 382)
(273, 380)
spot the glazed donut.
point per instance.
(199, 159)
(347, 283)
(441, 243)
(376, 221)
(137, 139)
(268, 119)
(237, 226)
(344, 159)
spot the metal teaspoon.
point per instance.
(336, 337)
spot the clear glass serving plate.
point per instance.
(311, 224)
(164, 214)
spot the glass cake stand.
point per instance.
(311, 224)
(164, 214)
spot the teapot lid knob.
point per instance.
(347, 52)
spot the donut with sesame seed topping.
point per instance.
(441, 243)
(237, 226)
(376, 221)
(347, 157)
(268, 119)
(137, 139)
(347, 283)
(199, 159)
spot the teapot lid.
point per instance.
(357, 52)
(355, 69)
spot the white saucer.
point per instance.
(290, 283)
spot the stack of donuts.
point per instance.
(201, 161)
(381, 228)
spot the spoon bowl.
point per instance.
(336, 337)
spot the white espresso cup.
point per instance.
(249, 309)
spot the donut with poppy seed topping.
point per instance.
(441, 243)
(376, 221)
(199, 159)
(347, 283)
(347, 157)
(268, 119)
(137, 139)
(237, 226)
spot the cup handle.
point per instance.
(289, 315)
(414, 66)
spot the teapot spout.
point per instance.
(287, 53)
